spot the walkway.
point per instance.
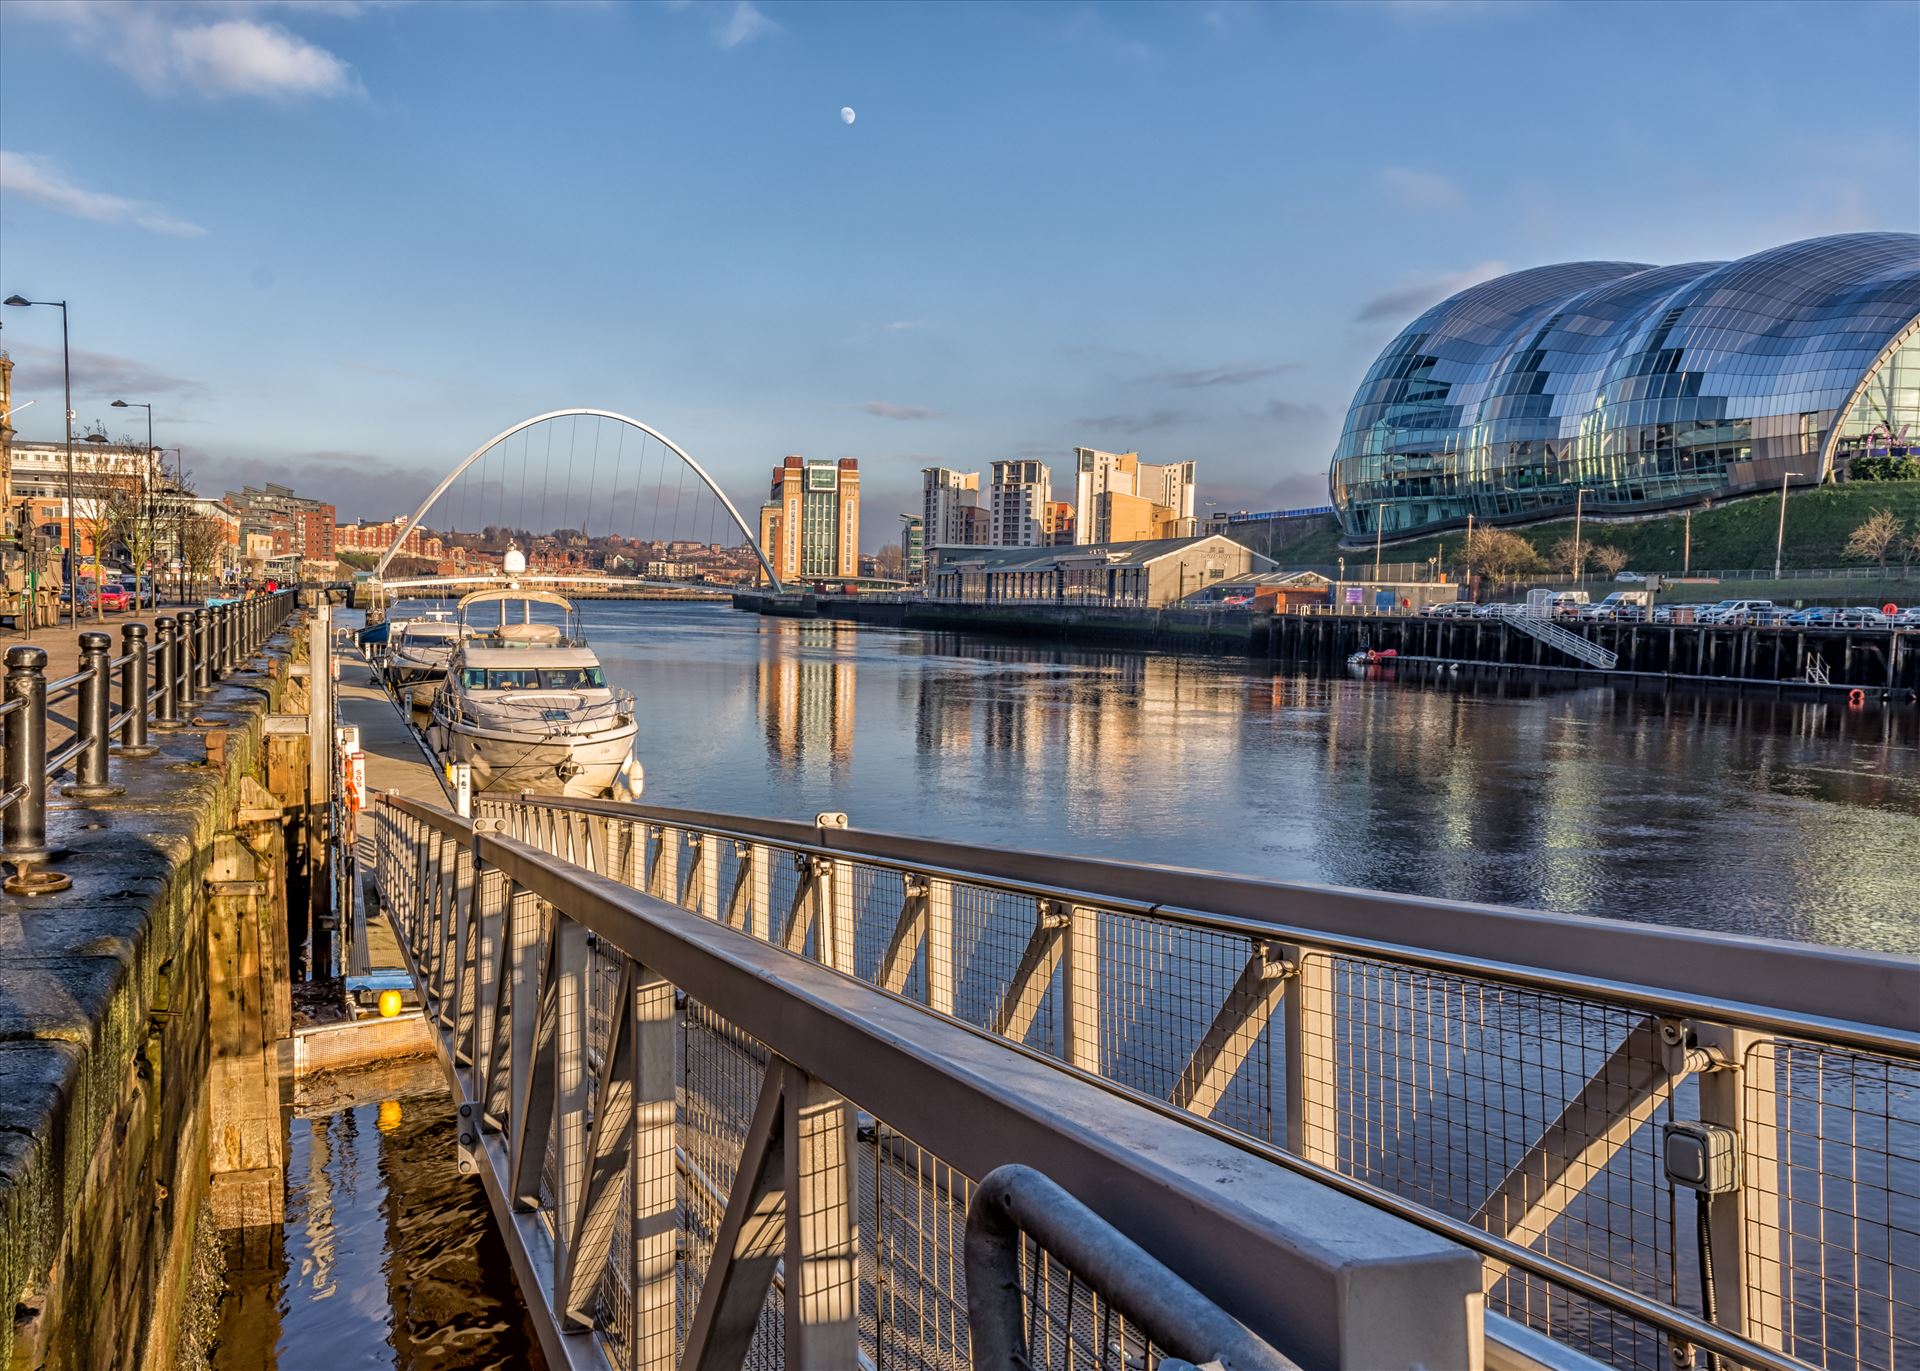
(394, 762)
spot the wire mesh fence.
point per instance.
(1530, 1114)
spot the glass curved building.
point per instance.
(1645, 387)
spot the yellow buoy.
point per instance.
(389, 1003)
(389, 1115)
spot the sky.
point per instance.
(340, 245)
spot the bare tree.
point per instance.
(1567, 555)
(1876, 537)
(1611, 560)
(1501, 556)
(201, 537)
(101, 486)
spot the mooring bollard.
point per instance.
(166, 711)
(94, 719)
(25, 826)
(202, 654)
(183, 662)
(133, 692)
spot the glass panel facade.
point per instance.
(1644, 386)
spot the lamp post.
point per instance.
(146, 491)
(66, 377)
(1579, 548)
(1780, 538)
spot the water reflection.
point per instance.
(388, 1257)
(1787, 818)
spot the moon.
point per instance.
(846, 114)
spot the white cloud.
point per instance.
(169, 49)
(1421, 189)
(1403, 302)
(887, 411)
(37, 179)
(741, 23)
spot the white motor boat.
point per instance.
(526, 703)
(418, 650)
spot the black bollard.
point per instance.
(25, 826)
(133, 692)
(94, 719)
(166, 660)
(202, 653)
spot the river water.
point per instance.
(1791, 820)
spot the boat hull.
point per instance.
(578, 765)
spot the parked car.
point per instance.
(1815, 616)
(1907, 618)
(1738, 612)
(1453, 609)
(1633, 577)
(114, 597)
(1862, 616)
(1490, 610)
(1622, 606)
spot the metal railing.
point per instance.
(1535, 625)
(1500, 1077)
(706, 1152)
(158, 682)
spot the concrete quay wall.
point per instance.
(133, 1010)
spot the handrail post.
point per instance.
(183, 669)
(133, 692)
(25, 824)
(166, 653)
(93, 718)
(222, 641)
(202, 655)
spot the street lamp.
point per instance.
(1780, 538)
(146, 496)
(66, 376)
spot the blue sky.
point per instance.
(343, 244)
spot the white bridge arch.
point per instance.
(380, 567)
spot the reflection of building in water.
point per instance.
(806, 702)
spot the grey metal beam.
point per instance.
(1839, 991)
(1338, 1283)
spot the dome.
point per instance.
(1644, 386)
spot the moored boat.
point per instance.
(526, 704)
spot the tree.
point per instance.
(1875, 538)
(101, 486)
(1569, 555)
(890, 561)
(1611, 560)
(1908, 549)
(1500, 556)
(201, 537)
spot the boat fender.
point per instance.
(1856, 697)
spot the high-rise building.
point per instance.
(1018, 501)
(1150, 500)
(946, 497)
(1059, 530)
(293, 523)
(913, 547)
(810, 524)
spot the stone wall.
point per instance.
(107, 1033)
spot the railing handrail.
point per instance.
(1201, 1203)
(1860, 999)
(1492, 1247)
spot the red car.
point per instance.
(114, 596)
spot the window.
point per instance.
(573, 678)
(519, 678)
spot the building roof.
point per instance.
(1079, 555)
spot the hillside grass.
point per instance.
(1736, 535)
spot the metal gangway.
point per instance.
(1530, 621)
(737, 1086)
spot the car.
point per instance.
(1908, 618)
(114, 596)
(1452, 609)
(1814, 616)
(1737, 612)
(1862, 616)
(1631, 577)
(1491, 610)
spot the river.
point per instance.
(1791, 820)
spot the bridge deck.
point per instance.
(394, 763)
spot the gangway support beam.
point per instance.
(1237, 1025)
(1617, 1098)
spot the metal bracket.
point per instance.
(1689, 1047)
